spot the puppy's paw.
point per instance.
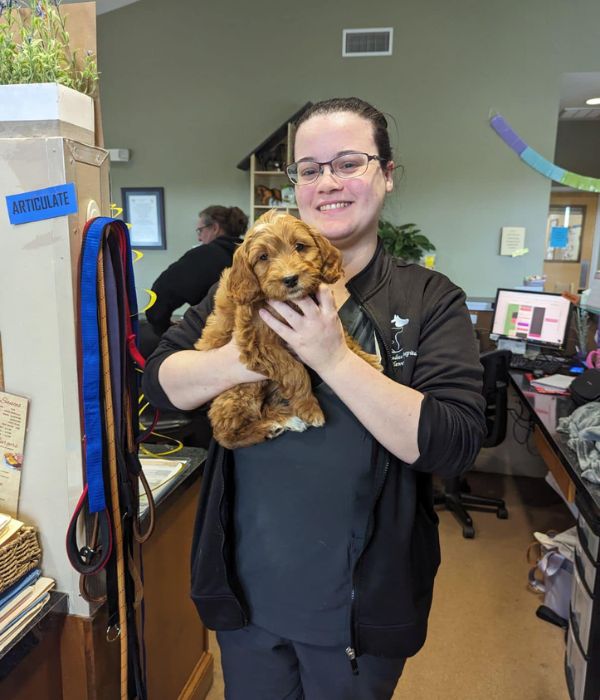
(295, 424)
(275, 429)
(312, 415)
(318, 420)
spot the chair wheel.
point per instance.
(468, 532)
(502, 513)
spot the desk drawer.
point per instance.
(548, 454)
(576, 668)
(582, 605)
(588, 538)
(587, 569)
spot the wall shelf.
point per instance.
(264, 164)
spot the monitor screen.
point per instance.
(534, 317)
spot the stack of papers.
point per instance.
(8, 527)
(555, 383)
(21, 603)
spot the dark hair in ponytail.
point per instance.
(362, 109)
(232, 220)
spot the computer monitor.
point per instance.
(539, 318)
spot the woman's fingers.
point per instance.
(282, 330)
(325, 298)
(311, 327)
(284, 310)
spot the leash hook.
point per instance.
(117, 633)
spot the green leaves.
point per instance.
(405, 241)
(34, 47)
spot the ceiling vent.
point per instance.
(573, 113)
(368, 42)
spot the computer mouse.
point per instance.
(538, 373)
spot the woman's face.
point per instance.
(207, 232)
(358, 200)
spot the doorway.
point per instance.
(569, 240)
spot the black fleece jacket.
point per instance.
(427, 342)
(187, 280)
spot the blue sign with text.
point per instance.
(42, 204)
(559, 236)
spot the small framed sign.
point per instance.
(144, 209)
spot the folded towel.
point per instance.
(583, 429)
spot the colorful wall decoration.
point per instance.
(538, 162)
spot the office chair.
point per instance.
(456, 495)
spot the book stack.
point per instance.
(23, 589)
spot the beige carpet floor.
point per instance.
(485, 641)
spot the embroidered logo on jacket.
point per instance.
(398, 322)
(397, 330)
(399, 355)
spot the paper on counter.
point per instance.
(159, 471)
(554, 381)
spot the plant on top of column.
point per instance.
(34, 48)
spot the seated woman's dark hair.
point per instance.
(231, 219)
(362, 109)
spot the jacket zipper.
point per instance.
(351, 649)
(351, 654)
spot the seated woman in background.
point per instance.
(188, 280)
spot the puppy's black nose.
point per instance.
(290, 281)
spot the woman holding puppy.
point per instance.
(314, 553)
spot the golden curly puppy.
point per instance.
(285, 259)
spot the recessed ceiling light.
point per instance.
(593, 101)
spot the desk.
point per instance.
(546, 409)
(582, 659)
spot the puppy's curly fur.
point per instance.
(281, 258)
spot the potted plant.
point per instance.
(405, 241)
(41, 79)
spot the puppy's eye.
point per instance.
(264, 256)
(300, 246)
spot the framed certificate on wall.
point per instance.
(144, 210)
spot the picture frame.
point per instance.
(144, 210)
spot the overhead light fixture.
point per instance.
(593, 101)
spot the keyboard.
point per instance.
(548, 365)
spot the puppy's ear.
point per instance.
(331, 259)
(243, 285)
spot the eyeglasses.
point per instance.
(199, 229)
(346, 166)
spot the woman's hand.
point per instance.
(316, 335)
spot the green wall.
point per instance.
(192, 87)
